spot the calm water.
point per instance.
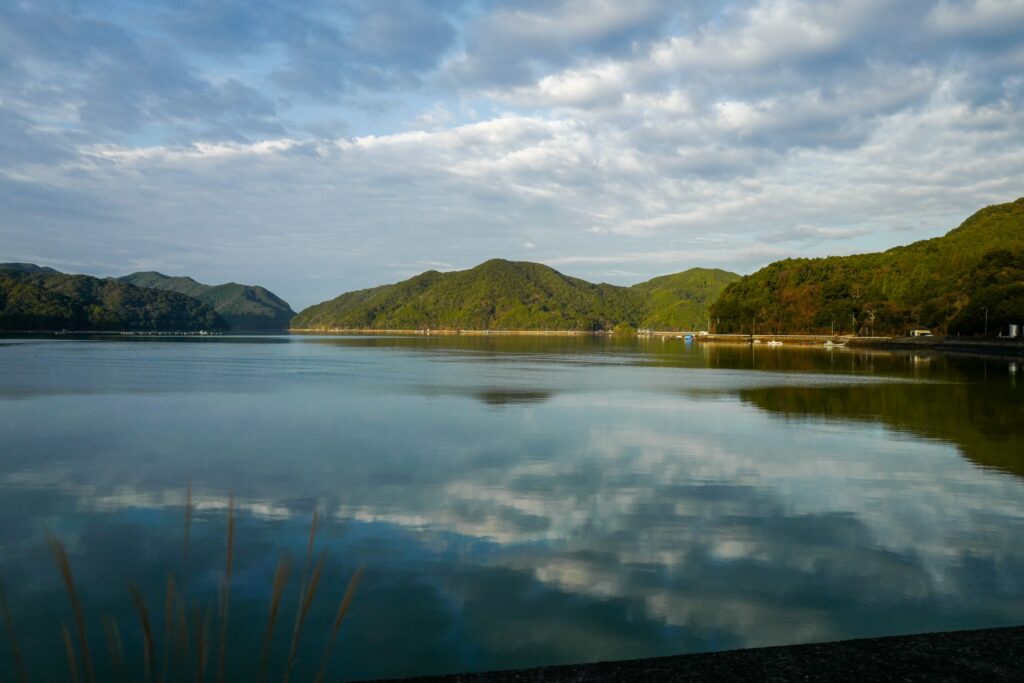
(515, 502)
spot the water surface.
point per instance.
(515, 501)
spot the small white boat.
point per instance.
(832, 345)
(774, 342)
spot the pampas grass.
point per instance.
(69, 651)
(181, 636)
(346, 602)
(114, 646)
(12, 640)
(280, 581)
(147, 632)
(60, 556)
(186, 627)
(188, 526)
(169, 602)
(304, 606)
(225, 599)
(202, 631)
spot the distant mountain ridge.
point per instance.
(247, 308)
(42, 299)
(968, 281)
(25, 268)
(519, 295)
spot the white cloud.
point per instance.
(584, 87)
(768, 33)
(780, 127)
(976, 16)
(573, 20)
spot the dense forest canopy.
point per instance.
(969, 281)
(35, 298)
(516, 295)
(244, 307)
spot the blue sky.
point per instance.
(318, 147)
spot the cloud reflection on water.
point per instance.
(598, 512)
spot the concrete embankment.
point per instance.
(986, 655)
(963, 345)
(1001, 347)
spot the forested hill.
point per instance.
(38, 298)
(244, 307)
(517, 295)
(946, 284)
(680, 301)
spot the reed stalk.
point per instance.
(176, 626)
(114, 646)
(169, 601)
(181, 638)
(226, 590)
(60, 556)
(69, 650)
(19, 663)
(202, 631)
(147, 632)
(280, 581)
(313, 525)
(188, 526)
(304, 605)
(181, 650)
(346, 602)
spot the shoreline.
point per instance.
(975, 346)
(674, 334)
(450, 332)
(957, 345)
(994, 654)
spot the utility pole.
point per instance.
(986, 320)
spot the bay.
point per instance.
(515, 501)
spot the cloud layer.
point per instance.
(318, 147)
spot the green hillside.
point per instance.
(244, 307)
(34, 298)
(944, 284)
(680, 301)
(511, 295)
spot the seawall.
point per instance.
(987, 655)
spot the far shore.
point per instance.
(670, 334)
(452, 333)
(961, 345)
(980, 346)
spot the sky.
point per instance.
(323, 146)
